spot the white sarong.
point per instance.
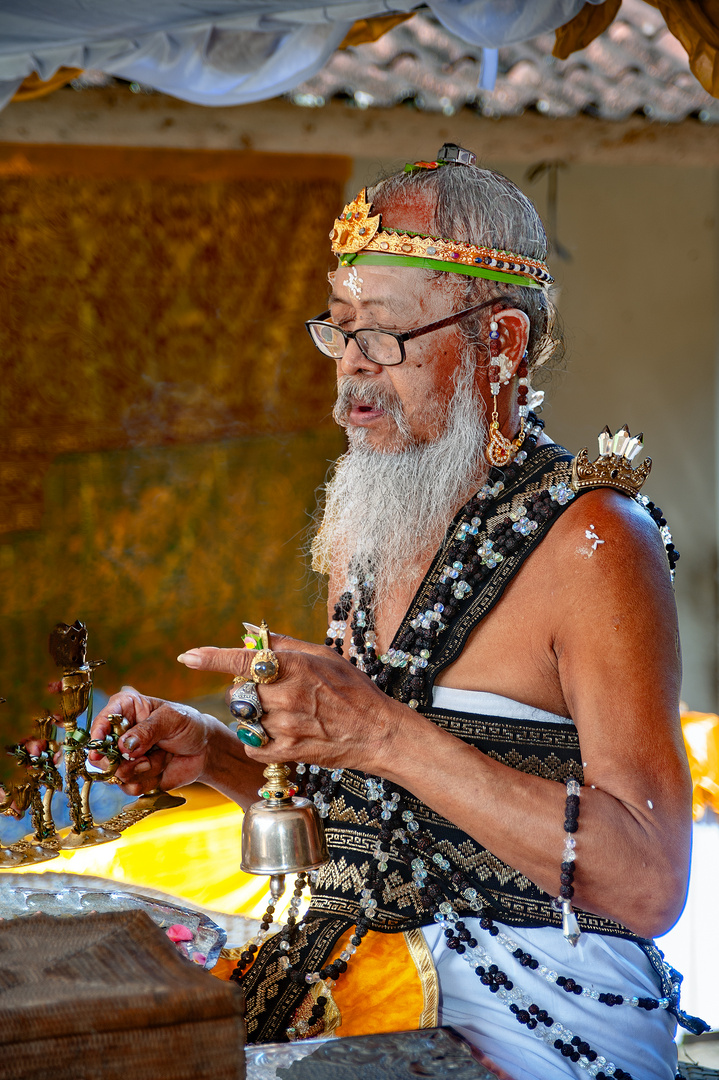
(631, 1038)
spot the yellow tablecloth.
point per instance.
(192, 852)
(701, 738)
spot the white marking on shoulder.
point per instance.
(650, 804)
(594, 540)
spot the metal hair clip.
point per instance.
(451, 154)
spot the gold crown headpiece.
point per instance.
(358, 237)
(613, 467)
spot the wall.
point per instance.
(640, 302)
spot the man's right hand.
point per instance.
(166, 744)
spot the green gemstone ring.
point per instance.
(252, 734)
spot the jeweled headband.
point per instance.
(358, 237)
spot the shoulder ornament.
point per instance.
(613, 467)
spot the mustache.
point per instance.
(353, 388)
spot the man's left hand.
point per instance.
(321, 709)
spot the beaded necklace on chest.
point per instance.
(400, 672)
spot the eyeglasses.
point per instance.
(385, 347)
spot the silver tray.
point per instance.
(20, 896)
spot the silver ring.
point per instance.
(245, 703)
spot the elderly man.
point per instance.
(493, 719)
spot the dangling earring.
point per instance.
(523, 390)
(500, 450)
(529, 400)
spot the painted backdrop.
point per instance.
(164, 419)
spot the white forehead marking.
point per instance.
(354, 283)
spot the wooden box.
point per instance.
(108, 997)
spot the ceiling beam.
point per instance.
(114, 116)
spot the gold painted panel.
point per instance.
(154, 298)
(164, 419)
(158, 549)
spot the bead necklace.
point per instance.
(398, 826)
(661, 522)
(399, 830)
(466, 567)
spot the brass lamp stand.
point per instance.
(37, 778)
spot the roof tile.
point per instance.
(635, 66)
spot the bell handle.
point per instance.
(278, 786)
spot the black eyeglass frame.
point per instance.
(400, 338)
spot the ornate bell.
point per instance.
(281, 834)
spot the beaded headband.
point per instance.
(359, 238)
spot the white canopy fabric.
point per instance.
(229, 52)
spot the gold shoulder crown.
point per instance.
(613, 467)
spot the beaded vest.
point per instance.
(544, 749)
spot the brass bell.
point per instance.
(281, 834)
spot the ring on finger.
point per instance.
(252, 734)
(265, 666)
(245, 704)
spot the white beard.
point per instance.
(386, 513)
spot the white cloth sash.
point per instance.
(633, 1039)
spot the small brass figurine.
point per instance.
(38, 771)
